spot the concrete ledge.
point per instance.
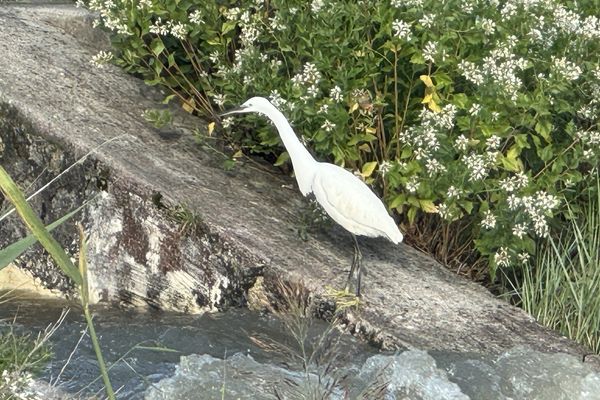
(56, 107)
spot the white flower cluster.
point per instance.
(18, 386)
(487, 25)
(489, 220)
(502, 258)
(444, 211)
(316, 6)
(427, 20)
(176, 29)
(424, 139)
(477, 165)
(513, 183)
(461, 143)
(407, 3)
(429, 51)
(196, 17)
(402, 30)
(413, 184)
(276, 99)
(308, 78)
(536, 208)
(385, 167)
(336, 94)
(565, 68)
(434, 167)
(470, 71)
(108, 17)
(500, 67)
(101, 59)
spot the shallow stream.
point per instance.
(243, 355)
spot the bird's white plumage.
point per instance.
(347, 199)
(352, 204)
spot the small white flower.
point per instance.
(453, 192)
(227, 122)
(524, 257)
(385, 167)
(219, 99)
(401, 29)
(196, 17)
(566, 69)
(101, 59)
(159, 28)
(323, 109)
(413, 184)
(502, 258)
(328, 126)
(430, 51)
(513, 202)
(178, 30)
(461, 143)
(434, 166)
(489, 220)
(493, 142)
(519, 230)
(427, 20)
(475, 109)
(488, 26)
(316, 6)
(444, 211)
(336, 94)
(477, 165)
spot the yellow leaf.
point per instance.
(354, 107)
(237, 154)
(371, 130)
(428, 206)
(189, 105)
(434, 107)
(365, 147)
(211, 128)
(426, 80)
(368, 169)
(427, 99)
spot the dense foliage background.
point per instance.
(476, 118)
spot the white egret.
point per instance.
(346, 198)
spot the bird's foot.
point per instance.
(343, 298)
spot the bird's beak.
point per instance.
(236, 110)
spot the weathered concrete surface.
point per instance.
(138, 256)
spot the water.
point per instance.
(247, 356)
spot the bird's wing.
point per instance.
(351, 203)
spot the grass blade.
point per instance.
(35, 225)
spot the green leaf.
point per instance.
(228, 27)
(398, 201)
(544, 128)
(460, 100)
(157, 46)
(511, 161)
(283, 157)
(545, 153)
(412, 214)
(368, 168)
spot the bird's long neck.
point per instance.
(303, 162)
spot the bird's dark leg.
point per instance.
(356, 265)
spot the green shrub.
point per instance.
(482, 112)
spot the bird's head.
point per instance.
(255, 104)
